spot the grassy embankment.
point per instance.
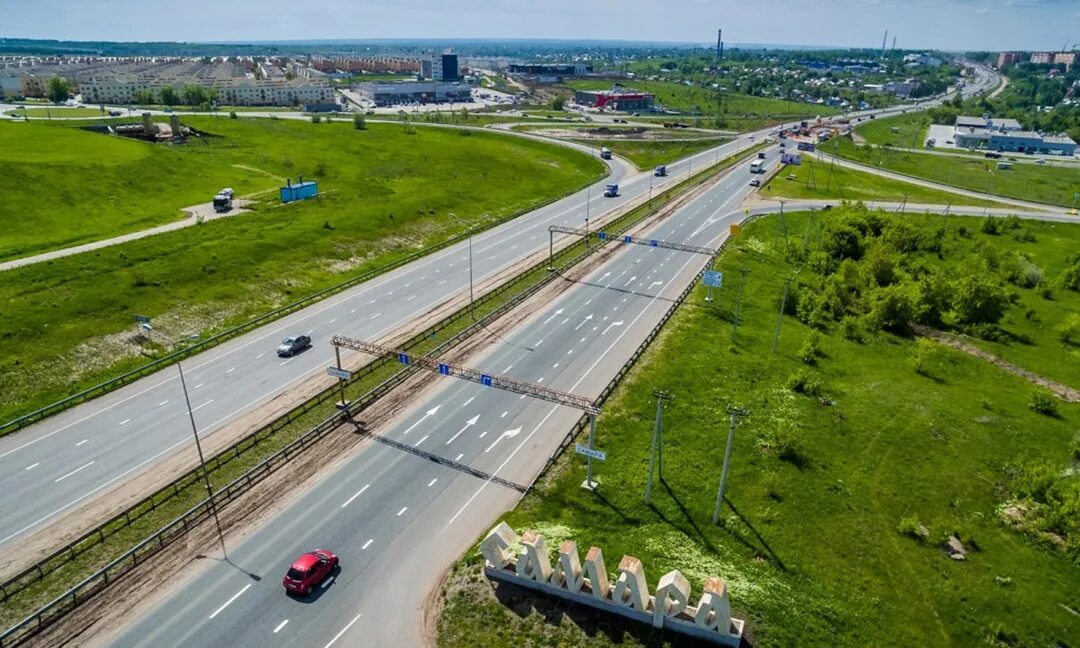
(741, 112)
(1040, 183)
(644, 153)
(57, 112)
(813, 179)
(389, 190)
(821, 538)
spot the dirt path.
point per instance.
(1064, 392)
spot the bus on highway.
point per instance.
(757, 166)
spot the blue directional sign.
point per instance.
(444, 369)
(403, 358)
(602, 236)
(485, 380)
(712, 278)
(628, 239)
(654, 243)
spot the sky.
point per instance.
(938, 24)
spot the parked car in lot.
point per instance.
(292, 345)
(309, 570)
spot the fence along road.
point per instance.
(396, 518)
(66, 460)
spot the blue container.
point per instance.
(299, 191)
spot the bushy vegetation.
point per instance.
(837, 504)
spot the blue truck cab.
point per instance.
(611, 191)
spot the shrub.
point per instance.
(233, 115)
(359, 122)
(1069, 330)
(911, 527)
(922, 356)
(801, 382)
(315, 119)
(892, 308)
(1043, 402)
(843, 242)
(978, 300)
(1070, 277)
(991, 225)
(810, 350)
(852, 329)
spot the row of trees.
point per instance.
(189, 95)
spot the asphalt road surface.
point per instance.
(397, 519)
(77, 455)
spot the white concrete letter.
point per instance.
(597, 573)
(714, 610)
(672, 595)
(631, 589)
(496, 546)
(567, 574)
(534, 562)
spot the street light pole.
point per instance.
(471, 312)
(202, 460)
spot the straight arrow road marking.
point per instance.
(428, 414)
(468, 424)
(630, 280)
(554, 315)
(587, 319)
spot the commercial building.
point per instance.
(615, 99)
(392, 94)
(549, 72)
(1042, 58)
(441, 67)
(1008, 58)
(1007, 135)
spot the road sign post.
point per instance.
(589, 484)
(342, 375)
(712, 279)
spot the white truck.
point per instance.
(757, 166)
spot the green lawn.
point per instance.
(1051, 184)
(676, 96)
(911, 130)
(387, 193)
(813, 179)
(809, 541)
(57, 112)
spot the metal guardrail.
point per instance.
(214, 340)
(127, 561)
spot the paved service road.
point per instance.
(74, 456)
(397, 519)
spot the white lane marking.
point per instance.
(402, 511)
(163, 402)
(469, 401)
(328, 582)
(483, 434)
(441, 282)
(282, 364)
(588, 302)
(431, 412)
(230, 370)
(553, 316)
(411, 298)
(234, 597)
(358, 494)
(582, 339)
(538, 343)
(609, 326)
(81, 442)
(390, 293)
(540, 380)
(509, 434)
(32, 466)
(332, 321)
(459, 456)
(125, 421)
(504, 414)
(569, 351)
(198, 386)
(352, 311)
(343, 631)
(375, 315)
(368, 543)
(555, 366)
(280, 626)
(555, 408)
(656, 283)
(259, 357)
(432, 482)
(588, 318)
(62, 478)
(199, 407)
(508, 368)
(417, 444)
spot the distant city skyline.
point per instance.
(917, 24)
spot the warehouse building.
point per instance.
(1007, 135)
(615, 99)
(393, 94)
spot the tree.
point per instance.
(558, 102)
(358, 122)
(194, 95)
(59, 90)
(843, 242)
(978, 300)
(142, 97)
(169, 96)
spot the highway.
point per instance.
(397, 519)
(67, 460)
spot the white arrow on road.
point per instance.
(468, 424)
(619, 323)
(656, 283)
(587, 319)
(630, 280)
(606, 275)
(554, 315)
(428, 414)
(509, 434)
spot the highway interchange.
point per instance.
(395, 519)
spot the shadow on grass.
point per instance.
(594, 623)
(764, 545)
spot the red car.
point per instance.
(309, 570)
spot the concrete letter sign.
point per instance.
(597, 573)
(714, 611)
(496, 546)
(672, 595)
(631, 589)
(568, 569)
(533, 562)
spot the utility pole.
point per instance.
(738, 304)
(202, 461)
(589, 483)
(780, 318)
(656, 456)
(735, 414)
(588, 200)
(471, 311)
(806, 232)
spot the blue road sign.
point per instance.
(444, 369)
(485, 380)
(654, 243)
(602, 236)
(628, 239)
(403, 358)
(712, 278)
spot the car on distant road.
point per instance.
(992, 154)
(292, 345)
(1040, 161)
(309, 570)
(756, 182)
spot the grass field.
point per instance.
(57, 112)
(1047, 184)
(911, 130)
(813, 179)
(676, 96)
(388, 191)
(813, 540)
